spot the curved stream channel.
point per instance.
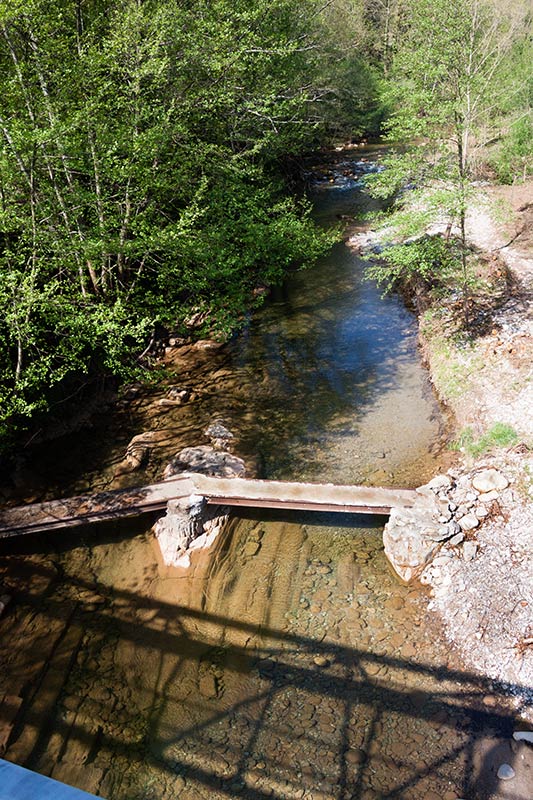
(286, 662)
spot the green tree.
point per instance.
(448, 87)
(141, 154)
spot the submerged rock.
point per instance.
(219, 435)
(523, 736)
(137, 452)
(506, 772)
(5, 600)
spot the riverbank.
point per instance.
(490, 392)
(486, 381)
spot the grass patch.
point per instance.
(452, 362)
(500, 435)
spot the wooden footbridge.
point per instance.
(104, 506)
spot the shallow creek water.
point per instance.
(286, 662)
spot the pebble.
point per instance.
(397, 602)
(408, 651)
(469, 551)
(440, 482)
(356, 756)
(457, 539)
(488, 497)
(321, 661)
(397, 640)
(490, 700)
(506, 772)
(468, 522)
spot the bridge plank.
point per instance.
(99, 507)
(284, 494)
(103, 506)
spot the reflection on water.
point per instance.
(287, 662)
(340, 386)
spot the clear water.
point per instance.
(287, 661)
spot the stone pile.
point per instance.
(449, 509)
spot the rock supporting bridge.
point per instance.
(243, 492)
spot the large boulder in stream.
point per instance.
(413, 536)
(208, 461)
(189, 523)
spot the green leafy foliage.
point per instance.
(141, 156)
(447, 90)
(514, 160)
(430, 259)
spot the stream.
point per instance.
(286, 661)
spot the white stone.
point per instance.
(488, 497)
(443, 559)
(439, 482)
(457, 539)
(523, 736)
(489, 479)
(469, 551)
(468, 522)
(506, 772)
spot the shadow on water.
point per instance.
(309, 711)
(285, 665)
(114, 531)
